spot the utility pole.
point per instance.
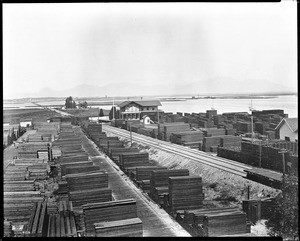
(259, 164)
(113, 110)
(130, 134)
(252, 127)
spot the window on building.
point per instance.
(147, 108)
(153, 108)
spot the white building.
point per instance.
(288, 129)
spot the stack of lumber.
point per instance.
(94, 130)
(51, 206)
(82, 181)
(243, 127)
(38, 171)
(115, 152)
(108, 211)
(7, 229)
(16, 173)
(103, 143)
(34, 146)
(132, 227)
(88, 187)
(209, 142)
(76, 158)
(82, 169)
(229, 141)
(224, 223)
(37, 225)
(185, 193)
(19, 205)
(28, 162)
(56, 152)
(145, 185)
(47, 137)
(85, 196)
(186, 137)
(66, 151)
(43, 155)
(208, 132)
(170, 128)
(230, 132)
(63, 187)
(113, 144)
(144, 131)
(19, 186)
(160, 178)
(144, 172)
(34, 138)
(62, 224)
(27, 154)
(217, 221)
(63, 166)
(128, 160)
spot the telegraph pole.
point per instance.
(130, 134)
(113, 110)
(252, 127)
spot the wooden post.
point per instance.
(248, 192)
(130, 134)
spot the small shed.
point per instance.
(288, 129)
(146, 120)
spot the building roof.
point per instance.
(292, 123)
(143, 103)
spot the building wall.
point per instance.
(286, 131)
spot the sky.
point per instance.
(59, 46)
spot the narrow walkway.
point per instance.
(156, 222)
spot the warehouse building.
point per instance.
(288, 129)
(136, 110)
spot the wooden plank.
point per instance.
(36, 218)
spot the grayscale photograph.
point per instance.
(150, 120)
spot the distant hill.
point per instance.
(214, 86)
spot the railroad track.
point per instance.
(195, 155)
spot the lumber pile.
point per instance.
(226, 223)
(208, 132)
(115, 152)
(28, 162)
(145, 185)
(144, 172)
(217, 221)
(76, 158)
(160, 178)
(82, 169)
(209, 142)
(185, 193)
(186, 137)
(64, 166)
(95, 130)
(82, 181)
(170, 128)
(127, 160)
(132, 227)
(37, 224)
(229, 141)
(18, 206)
(93, 195)
(62, 224)
(106, 212)
(7, 229)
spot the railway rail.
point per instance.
(195, 155)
